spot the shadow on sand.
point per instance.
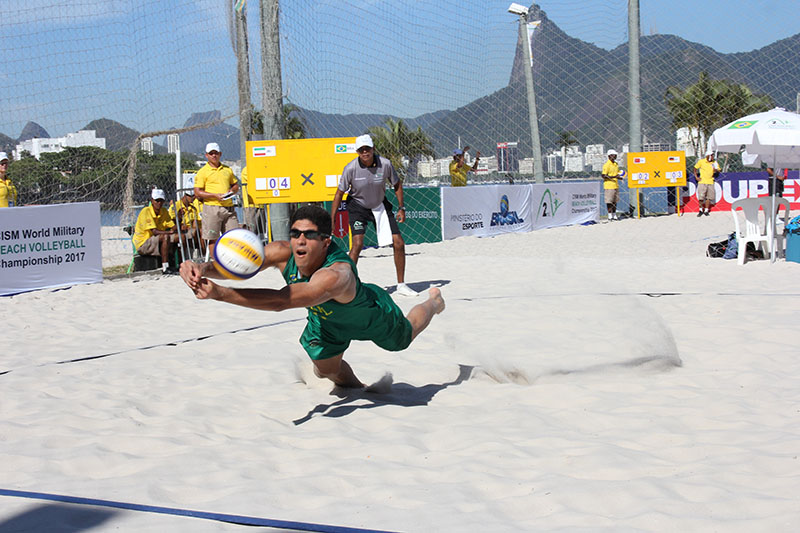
(401, 394)
(421, 286)
(58, 518)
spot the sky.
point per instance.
(150, 63)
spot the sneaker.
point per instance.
(699, 214)
(170, 272)
(405, 290)
(708, 213)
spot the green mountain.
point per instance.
(118, 136)
(584, 88)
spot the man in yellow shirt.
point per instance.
(459, 169)
(705, 170)
(215, 185)
(186, 212)
(8, 193)
(155, 233)
(253, 214)
(611, 177)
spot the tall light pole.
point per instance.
(522, 11)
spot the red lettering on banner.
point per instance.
(341, 224)
(735, 186)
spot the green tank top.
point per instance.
(349, 319)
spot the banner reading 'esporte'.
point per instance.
(485, 210)
(49, 246)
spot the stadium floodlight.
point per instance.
(527, 67)
(517, 9)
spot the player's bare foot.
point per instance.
(435, 296)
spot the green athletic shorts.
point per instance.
(383, 323)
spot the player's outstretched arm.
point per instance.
(336, 282)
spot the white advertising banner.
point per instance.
(49, 246)
(485, 210)
(564, 204)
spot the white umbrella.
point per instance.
(771, 137)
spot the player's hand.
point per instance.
(207, 290)
(192, 274)
(401, 216)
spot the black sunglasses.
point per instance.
(310, 234)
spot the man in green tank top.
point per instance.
(322, 278)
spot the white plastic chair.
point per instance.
(759, 233)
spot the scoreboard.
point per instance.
(656, 169)
(297, 170)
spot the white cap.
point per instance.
(210, 147)
(158, 194)
(363, 140)
(3, 156)
(612, 152)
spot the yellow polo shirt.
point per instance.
(611, 169)
(7, 192)
(147, 221)
(458, 176)
(216, 181)
(190, 214)
(706, 171)
(247, 198)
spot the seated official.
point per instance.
(155, 233)
(185, 211)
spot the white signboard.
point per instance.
(564, 204)
(49, 246)
(485, 210)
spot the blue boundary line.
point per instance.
(219, 517)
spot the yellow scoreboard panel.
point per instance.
(656, 169)
(297, 170)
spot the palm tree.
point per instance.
(395, 141)
(709, 104)
(294, 127)
(564, 141)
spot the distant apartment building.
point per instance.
(507, 157)
(429, 168)
(146, 145)
(686, 139)
(174, 143)
(37, 147)
(596, 157)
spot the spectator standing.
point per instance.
(459, 168)
(611, 177)
(364, 179)
(8, 193)
(778, 179)
(215, 185)
(155, 233)
(705, 170)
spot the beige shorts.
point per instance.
(217, 220)
(150, 247)
(612, 196)
(706, 192)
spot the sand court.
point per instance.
(603, 377)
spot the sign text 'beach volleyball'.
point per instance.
(238, 254)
